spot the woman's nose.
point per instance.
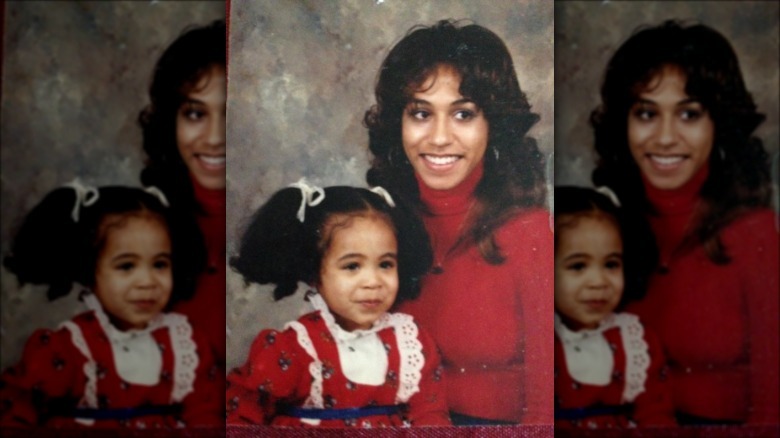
(216, 134)
(442, 132)
(667, 131)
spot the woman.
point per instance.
(674, 137)
(184, 138)
(448, 135)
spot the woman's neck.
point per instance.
(680, 200)
(213, 201)
(452, 201)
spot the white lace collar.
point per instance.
(570, 336)
(113, 333)
(338, 332)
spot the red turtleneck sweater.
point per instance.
(206, 309)
(718, 323)
(492, 323)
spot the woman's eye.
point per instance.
(465, 115)
(419, 114)
(644, 114)
(691, 114)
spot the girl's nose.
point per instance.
(372, 279)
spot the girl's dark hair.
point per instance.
(52, 249)
(177, 72)
(278, 248)
(573, 203)
(738, 177)
(513, 165)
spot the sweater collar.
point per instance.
(679, 200)
(213, 201)
(455, 200)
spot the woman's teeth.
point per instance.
(213, 161)
(667, 160)
(440, 161)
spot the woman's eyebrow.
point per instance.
(461, 101)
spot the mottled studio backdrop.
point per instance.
(588, 33)
(301, 76)
(75, 76)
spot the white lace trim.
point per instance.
(407, 335)
(89, 399)
(410, 350)
(637, 355)
(315, 370)
(185, 355)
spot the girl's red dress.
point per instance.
(638, 389)
(301, 367)
(74, 366)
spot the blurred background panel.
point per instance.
(587, 33)
(301, 76)
(75, 77)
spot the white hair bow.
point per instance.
(152, 190)
(606, 191)
(384, 194)
(85, 196)
(311, 194)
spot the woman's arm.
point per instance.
(532, 252)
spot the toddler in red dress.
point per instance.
(349, 363)
(125, 362)
(609, 370)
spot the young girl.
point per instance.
(609, 370)
(349, 363)
(124, 362)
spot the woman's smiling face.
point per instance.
(670, 134)
(200, 129)
(444, 134)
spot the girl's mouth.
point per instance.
(370, 304)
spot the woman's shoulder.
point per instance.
(530, 228)
(754, 227)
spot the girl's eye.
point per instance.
(127, 266)
(387, 264)
(613, 264)
(354, 266)
(579, 266)
(162, 264)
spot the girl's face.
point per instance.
(200, 129)
(444, 134)
(359, 271)
(133, 276)
(669, 133)
(588, 270)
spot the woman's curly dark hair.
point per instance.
(738, 178)
(51, 248)
(513, 165)
(179, 69)
(278, 248)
